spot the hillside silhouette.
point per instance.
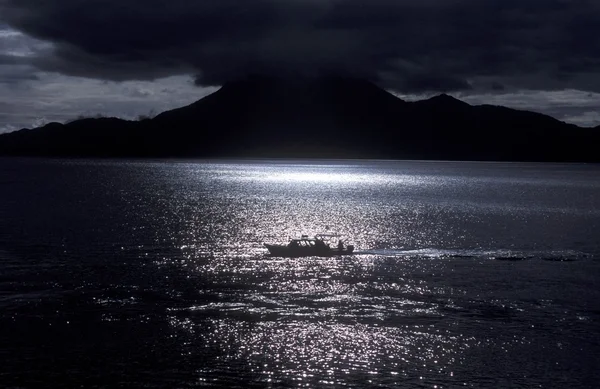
(329, 117)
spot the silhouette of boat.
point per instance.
(310, 247)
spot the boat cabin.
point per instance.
(305, 241)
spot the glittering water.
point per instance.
(153, 274)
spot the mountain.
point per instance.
(317, 117)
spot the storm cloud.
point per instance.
(408, 46)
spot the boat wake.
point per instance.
(499, 254)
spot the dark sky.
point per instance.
(127, 57)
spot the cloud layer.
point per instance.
(63, 58)
(405, 45)
(52, 97)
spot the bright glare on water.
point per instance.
(154, 274)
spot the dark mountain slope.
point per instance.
(322, 117)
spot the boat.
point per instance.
(317, 246)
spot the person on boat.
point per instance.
(340, 245)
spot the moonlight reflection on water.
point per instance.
(409, 308)
(324, 321)
(482, 275)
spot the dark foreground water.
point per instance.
(153, 274)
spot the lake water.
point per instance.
(153, 274)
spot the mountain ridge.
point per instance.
(332, 117)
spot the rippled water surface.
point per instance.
(153, 274)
